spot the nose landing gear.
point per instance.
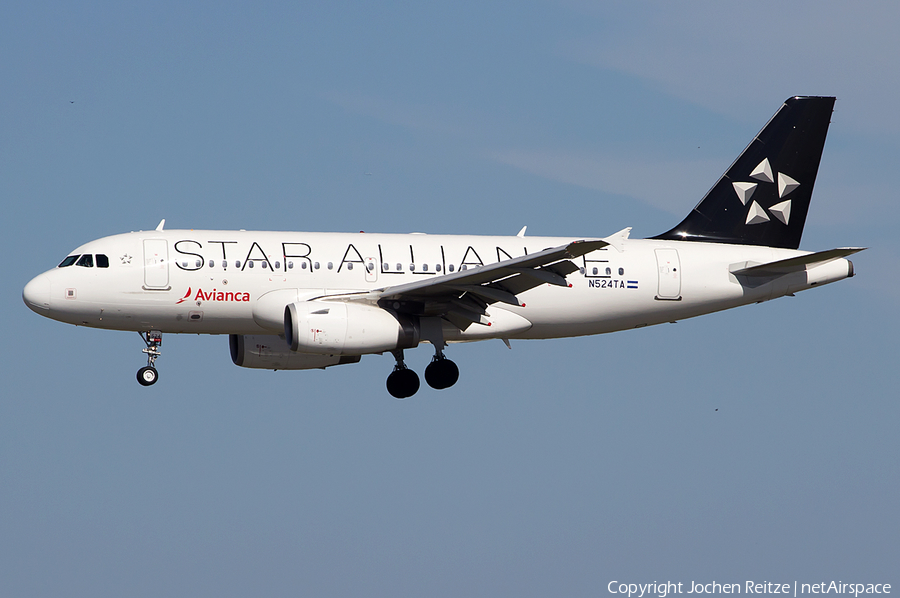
(148, 375)
(403, 382)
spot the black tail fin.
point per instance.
(763, 198)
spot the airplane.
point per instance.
(297, 301)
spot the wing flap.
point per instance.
(490, 293)
(554, 274)
(543, 276)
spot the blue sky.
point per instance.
(550, 469)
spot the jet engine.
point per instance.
(270, 352)
(341, 328)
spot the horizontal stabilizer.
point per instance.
(794, 264)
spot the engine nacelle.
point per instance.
(270, 352)
(346, 328)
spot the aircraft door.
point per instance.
(156, 264)
(669, 268)
(371, 269)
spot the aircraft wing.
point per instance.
(527, 265)
(461, 297)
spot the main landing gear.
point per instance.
(403, 382)
(441, 373)
(148, 375)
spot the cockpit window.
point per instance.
(102, 261)
(87, 260)
(68, 261)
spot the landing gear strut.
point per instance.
(441, 372)
(148, 375)
(403, 382)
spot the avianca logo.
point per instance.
(214, 295)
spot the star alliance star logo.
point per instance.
(126, 259)
(756, 213)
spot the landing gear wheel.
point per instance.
(147, 375)
(403, 383)
(441, 373)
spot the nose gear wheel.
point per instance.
(147, 376)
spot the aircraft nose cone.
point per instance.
(36, 293)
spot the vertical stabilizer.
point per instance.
(763, 198)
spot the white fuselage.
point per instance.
(216, 282)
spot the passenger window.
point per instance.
(399, 267)
(330, 265)
(385, 267)
(316, 265)
(450, 267)
(224, 264)
(349, 266)
(250, 264)
(265, 265)
(87, 260)
(370, 266)
(438, 267)
(608, 271)
(102, 261)
(212, 264)
(594, 271)
(412, 267)
(621, 271)
(277, 265)
(237, 263)
(424, 267)
(68, 261)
